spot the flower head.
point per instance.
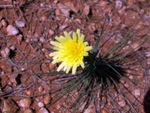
(70, 51)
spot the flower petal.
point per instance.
(61, 66)
(88, 48)
(68, 68)
(78, 34)
(74, 69)
(82, 64)
(57, 44)
(54, 54)
(74, 36)
(82, 38)
(67, 35)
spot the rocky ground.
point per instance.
(27, 27)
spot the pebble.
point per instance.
(104, 111)
(71, 6)
(130, 77)
(9, 106)
(40, 89)
(25, 103)
(86, 9)
(29, 92)
(20, 23)
(51, 32)
(42, 110)
(34, 39)
(57, 12)
(13, 80)
(63, 26)
(11, 30)
(89, 110)
(4, 23)
(78, 20)
(65, 10)
(137, 92)
(136, 46)
(19, 38)
(118, 4)
(43, 18)
(28, 111)
(122, 103)
(22, 68)
(42, 39)
(40, 104)
(12, 47)
(52, 66)
(92, 27)
(10, 1)
(6, 52)
(47, 99)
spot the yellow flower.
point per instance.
(70, 51)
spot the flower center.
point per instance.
(73, 52)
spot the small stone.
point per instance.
(118, 4)
(78, 20)
(47, 99)
(40, 104)
(70, 5)
(4, 23)
(126, 85)
(137, 92)
(19, 38)
(9, 106)
(22, 68)
(13, 80)
(29, 92)
(43, 18)
(34, 39)
(42, 39)
(89, 110)
(56, 1)
(11, 30)
(52, 66)
(10, 1)
(6, 52)
(42, 5)
(104, 111)
(63, 26)
(86, 9)
(40, 89)
(28, 111)
(130, 77)
(12, 47)
(2, 73)
(92, 27)
(147, 54)
(27, 40)
(20, 23)
(136, 46)
(122, 103)
(42, 110)
(51, 32)
(25, 103)
(57, 12)
(65, 10)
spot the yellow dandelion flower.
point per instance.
(70, 51)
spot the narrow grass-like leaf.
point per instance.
(98, 40)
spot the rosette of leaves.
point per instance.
(99, 82)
